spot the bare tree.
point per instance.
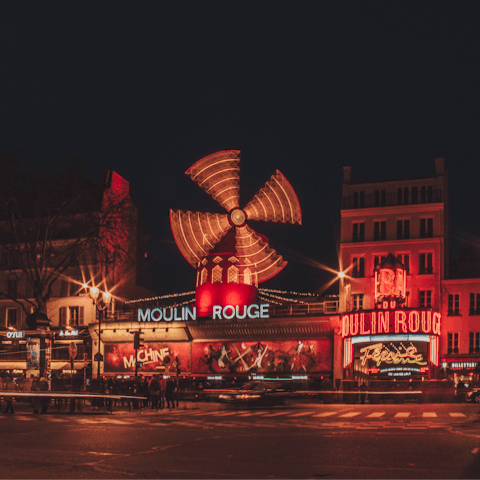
(52, 223)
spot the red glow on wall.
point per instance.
(223, 294)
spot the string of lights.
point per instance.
(284, 292)
(161, 297)
(186, 302)
(270, 300)
(294, 300)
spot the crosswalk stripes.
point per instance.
(456, 414)
(325, 414)
(301, 414)
(376, 415)
(350, 414)
(429, 414)
(402, 414)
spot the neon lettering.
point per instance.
(249, 311)
(436, 323)
(426, 322)
(345, 325)
(354, 324)
(383, 322)
(414, 321)
(177, 318)
(159, 315)
(217, 312)
(237, 312)
(264, 310)
(225, 310)
(400, 319)
(362, 325)
(143, 317)
(381, 353)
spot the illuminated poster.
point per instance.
(153, 357)
(33, 356)
(397, 359)
(289, 356)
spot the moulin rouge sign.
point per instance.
(219, 313)
(391, 321)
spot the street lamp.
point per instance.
(101, 306)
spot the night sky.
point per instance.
(149, 88)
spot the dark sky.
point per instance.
(149, 88)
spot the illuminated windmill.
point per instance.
(230, 257)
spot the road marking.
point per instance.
(350, 414)
(376, 414)
(429, 414)
(251, 414)
(402, 414)
(301, 414)
(325, 414)
(277, 414)
(457, 414)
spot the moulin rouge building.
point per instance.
(399, 315)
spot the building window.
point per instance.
(380, 230)
(71, 316)
(426, 227)
(452, 345)
(402, 196)
(405, 259)
(425, 266)
(474, 345)
(425, 298)
(358, 232)
(414, 195)
(232, 274)
(358, 199)
(357, 301)
(380, 198)
(426, 194)
(11, 317)
(454, 304)
(247, 277)
(377, 260)
(358, 267)
(474, 304)
(217, 274)
(203, 276)
(403, 229)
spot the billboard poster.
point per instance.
(153, 357)
(33, 356)
(284, 356)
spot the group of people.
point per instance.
(161, 392)
(32, 384)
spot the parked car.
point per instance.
(473, 396)
(259, 393)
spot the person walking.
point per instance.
(43, 387)
(36, 399)
(169, 391)
(9, 387)
(154, 390)
(163, 386)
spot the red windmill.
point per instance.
(230, 257)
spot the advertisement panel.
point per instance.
(33, 357)
(284, 356)
(151, 358)
(392, 358)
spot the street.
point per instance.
(213, 441)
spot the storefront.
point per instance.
(391, 343)
(223, 349)
(462, 369)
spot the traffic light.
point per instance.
(137, 340)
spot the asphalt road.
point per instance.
(301, 441)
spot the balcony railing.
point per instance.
(390, 200)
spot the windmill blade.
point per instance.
(219, 175)
(275, 202)
(255, 253)
(196, 233)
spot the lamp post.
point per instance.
(106, 298)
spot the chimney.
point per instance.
(348, 175)
(439, 166)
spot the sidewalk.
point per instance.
(25, 408)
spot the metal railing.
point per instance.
(390, 199)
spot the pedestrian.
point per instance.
(363, 392)
(154, 389)
(36, 399)
(169, 390)
(163, 386)
(146, 392)
(9, 387)
(43, 387)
